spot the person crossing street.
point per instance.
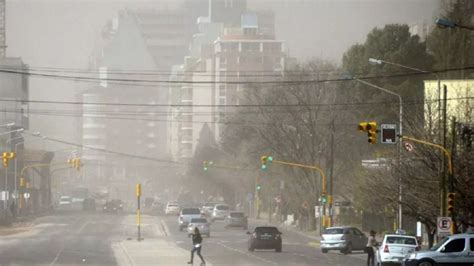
(197, 244)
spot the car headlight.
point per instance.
(412, 256)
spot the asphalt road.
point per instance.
(229, 247)
(79, 238)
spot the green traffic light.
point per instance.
(205, 168)
(259, 187)
(270, 158)
(264, 167)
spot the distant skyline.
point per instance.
(63, 33)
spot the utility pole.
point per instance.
(453, 152)
(443, 176)
(331, 177)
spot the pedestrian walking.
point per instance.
(197, 244)
(369, 249)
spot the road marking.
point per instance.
(314, 244)
(57, 255)
(165, 228)
(247, 254)
(130, 259)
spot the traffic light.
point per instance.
(258, 187)
(22, 182)
(205, 165)
(324, 198)
(371, 129)
(265, 160)
(6, 157)
(75, 163)
(450, 202)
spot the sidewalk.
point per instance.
(155, 249)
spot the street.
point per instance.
(96, 238)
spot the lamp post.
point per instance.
(445, 23)
(443, 176)
(400, 212)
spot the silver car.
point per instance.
(202, 224)
(220, 212)
(452, 250)
(345, 239)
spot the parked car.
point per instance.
(236, 219)
(202, 224)
(220, 212)
(456, 249)
(89, 204)
(394, 248)
(207, 208)
(65, 203)
(265, 237)
(186, 215)
(172, 208)
(344, 238)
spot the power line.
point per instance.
(223, 105)
(270, 82)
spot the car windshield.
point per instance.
(209, 205)
(334, 231)
(236, 214)
(268, 230)
(222, 207)
(439, 244)
(172, 205)
(199, 220)
(401, 240)
(190, 211)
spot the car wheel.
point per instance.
(425, 263)
(324, 250)
(348, 249)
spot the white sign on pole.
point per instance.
(444, 226)
(317, 211)
(389, 133)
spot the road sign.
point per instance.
(317, 211)
(408, 146)
(389, 133)
(444, 226)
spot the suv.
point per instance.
(186, 215)
(394, 248)
(237, 219)
(220, 212)
(207, 208)
(265, 237)
(344, 238)
(455, 249)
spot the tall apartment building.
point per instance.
(220, 54)
(143, 45)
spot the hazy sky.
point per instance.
(62, 33)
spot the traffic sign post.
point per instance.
(389, 133)
(444, 225)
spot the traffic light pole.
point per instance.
(400, 198)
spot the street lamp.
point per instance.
(380, 62)
(399, 144)
(445, 23)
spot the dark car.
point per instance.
(265, 237)
(236, 219)
(113, 206)
(88, 204)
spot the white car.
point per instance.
(65, 203)
(172, 208)
(220, 212)
(456, 249)
(394, 248)
(202, 224)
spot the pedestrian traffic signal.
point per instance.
(450, 202)
(371, 129)
(6, 157)
(265, 160)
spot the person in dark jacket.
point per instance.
(197, 242)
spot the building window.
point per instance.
(222, 101)
(250, 47)
(222, 62)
